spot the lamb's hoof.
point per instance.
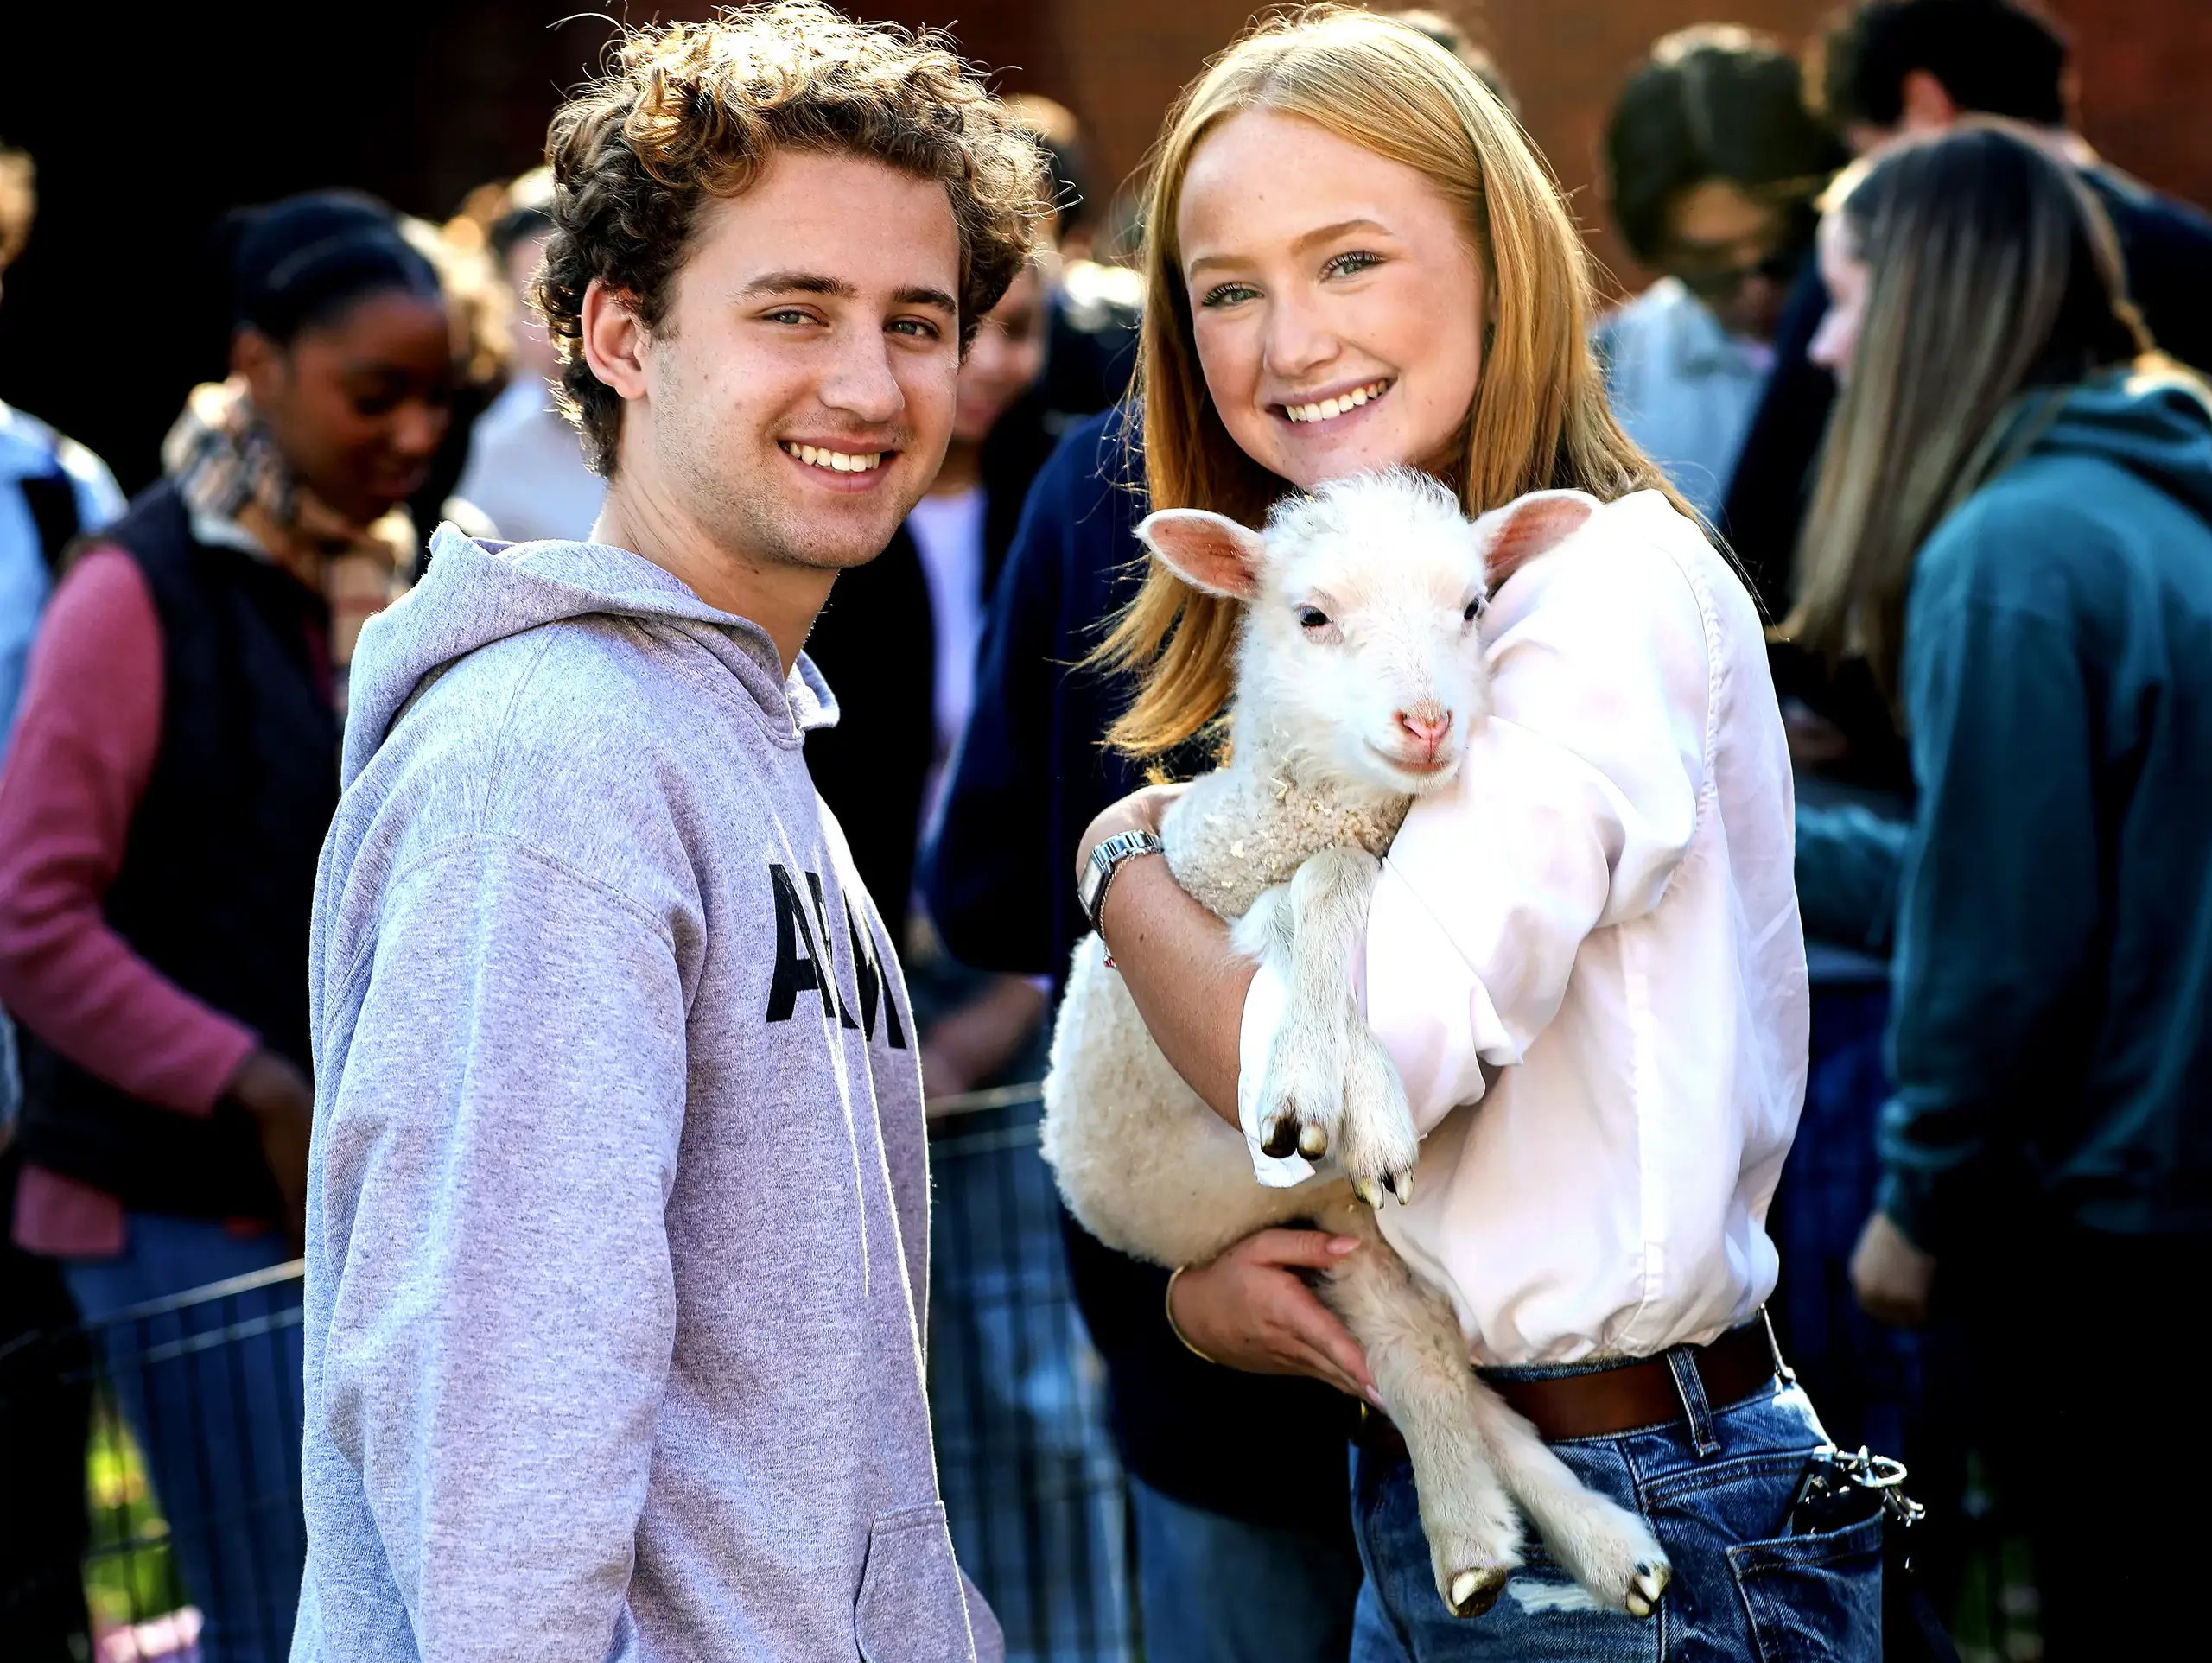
(1282, 1140)
(1650, 1583)
(1313, 1142)
(1473, 1592)
(1376, 1144)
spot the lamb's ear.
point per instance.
(1516, 534)
(1209, 551)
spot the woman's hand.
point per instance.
(1891, 1277)
(1251, 1309)
(1140, 810)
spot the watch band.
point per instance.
(1105, 860)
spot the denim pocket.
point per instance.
(1814, 1598)
(911, 1607)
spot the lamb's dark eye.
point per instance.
(1312, 618)
(1475, 609)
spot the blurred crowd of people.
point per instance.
(1925, 363)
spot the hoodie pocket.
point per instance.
(910, 1609)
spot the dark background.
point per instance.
(147, 121)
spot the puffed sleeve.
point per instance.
(1574, 805)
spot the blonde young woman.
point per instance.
(1585, 957)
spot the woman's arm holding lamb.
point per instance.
(1187, 981)
(1251, 1308)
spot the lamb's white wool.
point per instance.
(1360, 674)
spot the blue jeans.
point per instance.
(1716, 1491)
(1215, 1589)
(211, 1392)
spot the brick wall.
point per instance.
(1563, 59)
(2144, 65)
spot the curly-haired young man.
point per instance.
(617, 1235)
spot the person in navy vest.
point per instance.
(173, 773)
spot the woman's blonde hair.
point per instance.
(1539, 418)
(1996, 285)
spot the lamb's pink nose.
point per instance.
(1427, 724)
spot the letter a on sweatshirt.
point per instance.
(799, 966)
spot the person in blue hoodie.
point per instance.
(2012, 527)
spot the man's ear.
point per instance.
(1513, 535)
(613, 340)
(1208, 551)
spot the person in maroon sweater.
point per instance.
(163, 804)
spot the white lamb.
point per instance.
(1360, 672)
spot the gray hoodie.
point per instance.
(618, 1217)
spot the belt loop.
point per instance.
(1690, 1385)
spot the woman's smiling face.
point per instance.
(1337, 302)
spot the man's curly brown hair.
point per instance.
(694, 111)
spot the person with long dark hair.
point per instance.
(172, 774)
(2012, 528)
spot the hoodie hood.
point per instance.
(479, 591)
(2157, 427)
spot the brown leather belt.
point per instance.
(1606, 1402)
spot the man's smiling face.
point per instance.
(799, 391)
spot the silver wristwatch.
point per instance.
(1090, 887)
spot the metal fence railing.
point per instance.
(1032, 1490)
(188, 1413)
(190, 1540)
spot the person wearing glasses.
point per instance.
(1711, 162)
